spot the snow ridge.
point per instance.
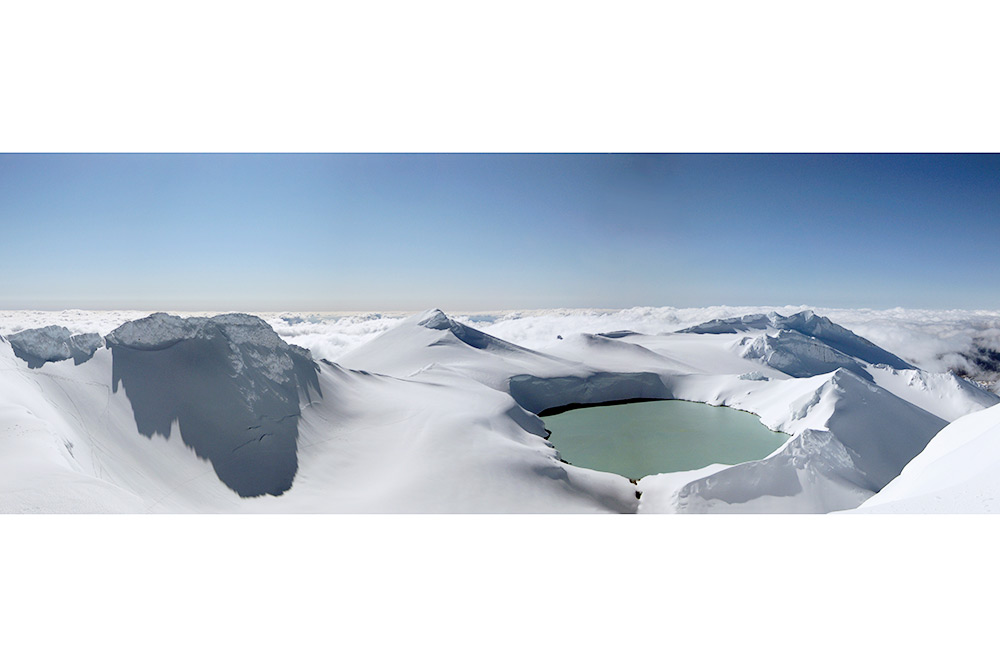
(808, 324)
(437, 320)
(798, 355)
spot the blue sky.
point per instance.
(477, 232)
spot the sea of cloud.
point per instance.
(936, 340)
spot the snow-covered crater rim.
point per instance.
(161, 330)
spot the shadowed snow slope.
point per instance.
(219, 414)
(361, 442)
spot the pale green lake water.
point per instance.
(639, 439)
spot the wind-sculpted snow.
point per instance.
(231, 385)
(850, 437)
(943, 394)
(732, 325)
(797, 355)
(53, 343)
(879, 447)
(436, 319)
(432, 339)
(808, 324)
(839, 338)
(813, 472)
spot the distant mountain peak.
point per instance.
(434, 319)
(807, 323)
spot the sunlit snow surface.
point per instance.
(934, 340)
(429, 413)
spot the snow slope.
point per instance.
(219, 414)
(850, 438)
(873, 432)
(364, 442)
(958, 471)
(433, 339)
(808, 324)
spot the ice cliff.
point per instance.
(54, 343)
(229, 382)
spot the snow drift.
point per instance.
(808, 324)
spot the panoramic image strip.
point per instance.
(499, 333)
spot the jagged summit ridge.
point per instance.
(161, 330)
(809, 324)
(249, 339)
(436, 319)
(798, 355)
